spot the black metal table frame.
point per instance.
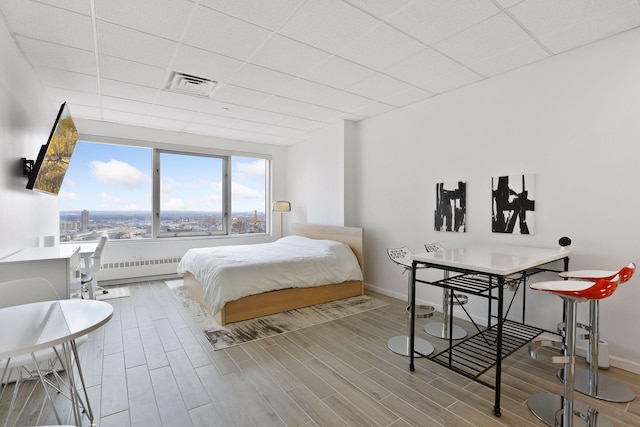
(493, 281)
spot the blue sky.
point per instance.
(105, 177)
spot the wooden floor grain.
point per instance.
(151, 366)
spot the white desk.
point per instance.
(57, 264)
(47, 324)
(483, 270)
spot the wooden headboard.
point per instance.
(351, 236)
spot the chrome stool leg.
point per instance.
(441, 329)
(589, 381)
(563, 411)
(400, 344)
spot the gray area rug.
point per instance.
(263, 327)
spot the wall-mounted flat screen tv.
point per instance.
(53, 159)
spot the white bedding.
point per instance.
(231, 272)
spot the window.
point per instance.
(111, 188)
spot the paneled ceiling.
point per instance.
(285, 68)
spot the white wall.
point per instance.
(321, 180)
(26, 117)
(572, 120)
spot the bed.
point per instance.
(283, 294)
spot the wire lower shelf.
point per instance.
(477, 354)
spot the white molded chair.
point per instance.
(25, 291)
(89, 281)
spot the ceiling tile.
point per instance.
(223, 34)
(493, 46)
(118, 116)
(407, 97)
(165, 18)
(236, 134)
(133, 45)
(178, 100)
(68, 80)
(161, 111)
(214, 120)
(126, 105)
(379, 86)
(73, 97)
(561, 26)
(272, 139)
(508, 3)
(269, 14)
(380, 8)
(381, 48)
(328, 24)
(202, 63)
(454, 80)
(283, 131)
(431, 21)
(337, 72)
(263, 116)
(259, 78)
(300, 123)
(131, 72)
(374, 109)
(317, 113)
(423, 66)
(325, 96)
(40, 21)
(85, 112)
(42, 53)
(288, 56)
(202, 129)
(248, 126)
(225, 109)
(164, 123)
(239, 95)
(79, 6)
(127, 90)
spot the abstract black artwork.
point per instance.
(513, 204)
(451, 206)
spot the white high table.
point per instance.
(31, 327)
(481, 270)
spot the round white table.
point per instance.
(27, 328)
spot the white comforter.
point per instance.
(231, 272)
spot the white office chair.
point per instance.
(25, 291)
(89, 281)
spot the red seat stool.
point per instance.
(557, 410)
(588, 381)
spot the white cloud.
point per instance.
(240, 192)
(118, 173)
(67, 195)
(116, 203)
(243, 170)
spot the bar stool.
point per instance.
(588, 381)
(557, 410)
(400, 344)
(441, 329)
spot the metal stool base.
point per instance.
(545, 406)
(609, 389)
(400, 345)
(437, 329)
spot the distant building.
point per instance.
(85, 219)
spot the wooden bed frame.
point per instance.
(289, 299)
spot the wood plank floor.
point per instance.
(151, 366)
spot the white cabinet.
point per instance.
(60, 265)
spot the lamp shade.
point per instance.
(281, 206)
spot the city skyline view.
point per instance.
(109, 188)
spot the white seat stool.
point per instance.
(400, 343)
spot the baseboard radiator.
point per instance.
(138, 268)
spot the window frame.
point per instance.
(227, 156)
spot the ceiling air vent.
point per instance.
(190, 85)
